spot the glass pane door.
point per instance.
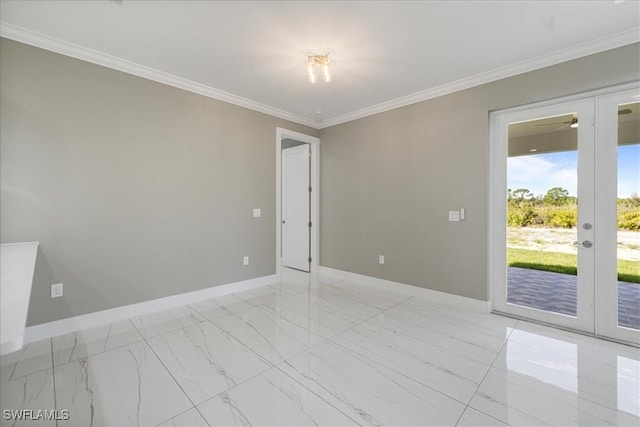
(542, 214)
(565, 218)
(628, 216)
(548, 215)
(618, 281)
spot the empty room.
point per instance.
(327, 213)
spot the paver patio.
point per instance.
(556, 292)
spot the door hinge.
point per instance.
(309, 189)
(309, 259)
(308, 153)
(309, 223)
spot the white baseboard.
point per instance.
(84, 321)
(429, 294)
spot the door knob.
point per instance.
(586, 243)
(283, 221)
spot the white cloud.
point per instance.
(539, 173)
(627, 189)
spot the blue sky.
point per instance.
(540, 172)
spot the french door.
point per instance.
(618, 213)
(564, 212)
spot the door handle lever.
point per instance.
(586, 243)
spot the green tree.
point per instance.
(556, 196)
(521, 194)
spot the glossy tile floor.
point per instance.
(324, 353)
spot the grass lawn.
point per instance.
(628, 271)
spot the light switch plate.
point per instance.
(380, 259)
(257, 213)
(454, 215)
(245, 260)
(56, 290)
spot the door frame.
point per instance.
(314, 145)
(496, 230)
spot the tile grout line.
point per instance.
(396, 371)
(266, 362)
(176, 381)
(269, 364)
(208, 320)
(351, 351)
(53, 380)
(144, 339)
(358, 322)
(485, 376)
(268, 311)
(285, 360)
(17, 362)
(255, 352)
(313, 392)
(331, 341)
(53, 363)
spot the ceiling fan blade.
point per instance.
(554, 123)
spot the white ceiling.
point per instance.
(387, 54)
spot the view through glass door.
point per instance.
(548, 214)
(566, 214)
(618, 277)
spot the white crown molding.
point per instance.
(52, 44)
(23, 35)
(606, 43)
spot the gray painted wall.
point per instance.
(387, 181)
(135, 190)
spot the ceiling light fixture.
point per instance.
(318, 62)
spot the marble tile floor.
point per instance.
(325, 353)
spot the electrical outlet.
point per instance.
(245, 260)
(380, 259)
(56, 290)
(257, 213)
(454, 215)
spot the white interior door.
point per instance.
(296, 230)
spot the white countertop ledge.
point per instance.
(17, 264)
